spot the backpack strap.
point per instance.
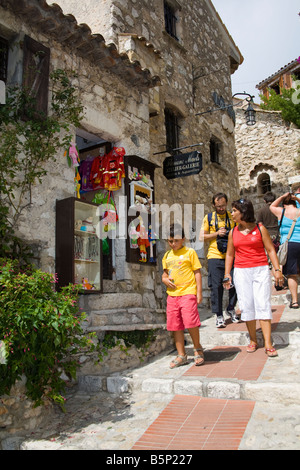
(227, 220)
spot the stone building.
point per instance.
(189, 48)
(283, 78)
(145, 70)
(268, 153)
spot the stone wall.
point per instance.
(191, 70)
(114, 111)
(271, 147)
(19, 417)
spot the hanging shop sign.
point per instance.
(219, 101)
(182, 165)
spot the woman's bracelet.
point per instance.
(278, 270)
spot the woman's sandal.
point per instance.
(199, 358)
(294, 305)
(178, 361)
(251, 348)
(271, 352)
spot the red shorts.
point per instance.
(182, 312)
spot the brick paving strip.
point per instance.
(200, 423)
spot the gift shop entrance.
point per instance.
(90, 186)
(88, 224)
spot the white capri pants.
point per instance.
(253, 287)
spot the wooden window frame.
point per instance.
(215, 149)
(170, 20)
(172, 130)
(4, 45)
(36, 66)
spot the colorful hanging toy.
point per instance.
(143, 241)
(152, 240)
(72, 155)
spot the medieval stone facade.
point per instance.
(267, 155)
(134, 70)
(127, 91)
(145, 70)
(194, 63)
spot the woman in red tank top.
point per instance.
(248, 243)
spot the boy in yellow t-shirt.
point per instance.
(182, 277)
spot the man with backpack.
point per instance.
(215, 229)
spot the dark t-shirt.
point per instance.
(268, 219)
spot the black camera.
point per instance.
(222, 242)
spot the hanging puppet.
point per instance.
(152, 240)
(108, 171)
(143, 241)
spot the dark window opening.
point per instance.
(170, 21)
(215, 151)
(296, 75)
(264, 184)
(3, 59)
(172, 130)
(276, 88)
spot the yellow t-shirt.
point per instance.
(213, 251)
(181, 265)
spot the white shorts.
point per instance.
(253, 287)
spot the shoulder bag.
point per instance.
(283, 249)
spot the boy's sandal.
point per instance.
(271, 352)
(294, 305)
(251, 348)
(199, 358)
(178, 361)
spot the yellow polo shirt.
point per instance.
(213, 252)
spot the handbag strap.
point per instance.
(280, 223)
(293, 225)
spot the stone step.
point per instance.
(279, 381)
(117, 300)
(157, 378)
(132, 327)
(125, 319)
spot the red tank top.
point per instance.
(249, 249)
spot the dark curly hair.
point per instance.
(246, 209)
(288, 201)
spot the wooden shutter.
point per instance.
(36, 64)
(3, 59)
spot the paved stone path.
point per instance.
(235, 401)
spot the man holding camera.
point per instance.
(215, 229)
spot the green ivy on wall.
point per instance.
(28, 141)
